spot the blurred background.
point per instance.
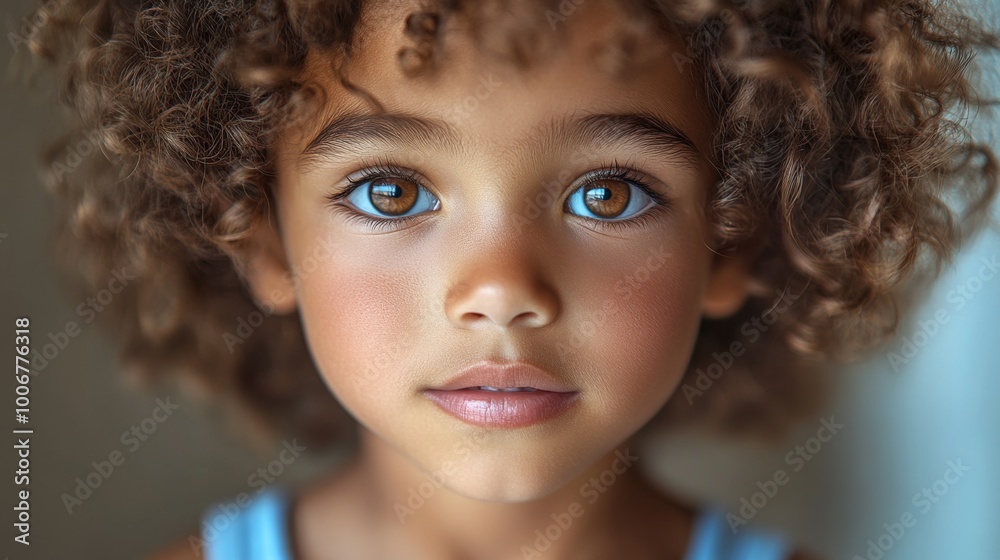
(920, 435)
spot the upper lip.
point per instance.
(505, 375)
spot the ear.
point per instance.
(267, 272)
(728, 285)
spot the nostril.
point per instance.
(528, 317)
(472, 317)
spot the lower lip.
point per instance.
(498, 409)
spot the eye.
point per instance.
(609, 199)
(391, 197)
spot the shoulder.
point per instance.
(713, 537)
(233, 528)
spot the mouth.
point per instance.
(503, 389)
(503, 395)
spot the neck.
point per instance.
(610, 507)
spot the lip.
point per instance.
(464, 398)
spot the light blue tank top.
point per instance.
(259, 532)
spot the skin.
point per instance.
(388, 313)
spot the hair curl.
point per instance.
(842, 145)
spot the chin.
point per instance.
(513, 486)
(503, 476)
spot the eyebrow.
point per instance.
(345, 135)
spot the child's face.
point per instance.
(503, 258)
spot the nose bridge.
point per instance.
(500, 278)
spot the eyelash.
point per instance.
(382, 170)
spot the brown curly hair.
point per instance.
(843, 146)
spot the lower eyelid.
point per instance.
(637, 221)
(375, 222)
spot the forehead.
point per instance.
(588, 60)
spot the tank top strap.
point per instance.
(712, 539)
(256, 532)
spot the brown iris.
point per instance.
(394, 197)
(607, 198)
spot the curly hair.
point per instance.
(843, 147)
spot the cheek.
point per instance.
(361, 324)
(638, 336)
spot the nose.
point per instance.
(503, 291)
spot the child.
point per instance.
(511, 232)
